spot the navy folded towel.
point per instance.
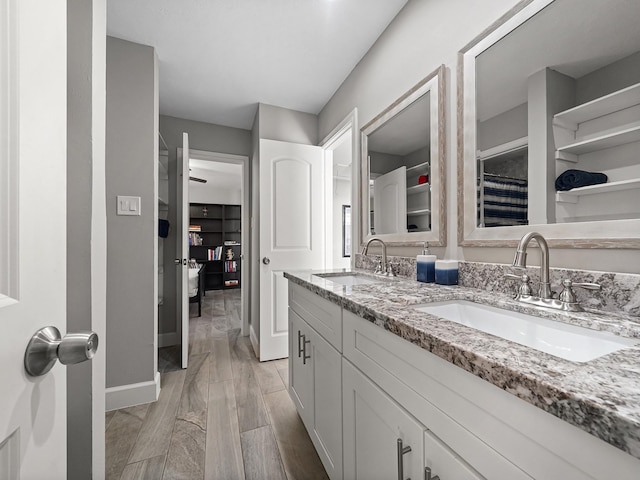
(578, 178)
(163, 228)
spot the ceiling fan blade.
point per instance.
(196, 179)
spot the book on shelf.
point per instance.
(231, 242)
(195, 228)
(195, 240)
(214, 253)
(231, 283)
(230, 266)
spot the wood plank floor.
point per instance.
(225, 417)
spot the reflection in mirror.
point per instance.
(399, 170)
(402, 168)
(555, 94)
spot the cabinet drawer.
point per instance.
(444, 463)
(324, 316)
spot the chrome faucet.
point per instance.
(567, 299)
(520, 261)
(383, 268)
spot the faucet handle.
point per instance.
(391, 271)
(569, 296)
(379, 270)
(525, 288)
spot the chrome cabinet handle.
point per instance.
(401, 452)
(300, 336)
(305, 357)
(427, 474)
(266, 260)
(46, 346)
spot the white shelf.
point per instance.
(615, 139)
(616, 101)
(415, 189)
(417, 212)
(417, 167)
(513, 147)
(571, 196)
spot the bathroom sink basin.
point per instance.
(570, 342)
(350, 279)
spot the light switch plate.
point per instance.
(128, 205)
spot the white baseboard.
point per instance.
(132, 394)
(255, 343)
(167, 339)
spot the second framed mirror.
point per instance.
(403, 168)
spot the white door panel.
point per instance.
(390, 202)
(291, 231)
(182, 251)
(281, 295)
(33, 180)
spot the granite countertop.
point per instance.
(601, 396)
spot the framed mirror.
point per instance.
(549, 126)
(403, 170)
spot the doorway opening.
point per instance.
(219, 224)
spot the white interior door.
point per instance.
(390, 202)
(291, 231)
(33, 174)
(182, 251)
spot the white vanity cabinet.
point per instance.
(315, 373)
(473, 429)
(359, 388)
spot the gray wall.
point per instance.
(620, 74)
(86, 232)
(131, 157)
(202, 136)
(423, 36)
(505, 127)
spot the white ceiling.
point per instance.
(220, 58)
(217, 174)
(573, 37)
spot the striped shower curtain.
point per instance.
(503, 201)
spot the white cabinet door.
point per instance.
(326, 421)
(443, 462)
(373, 424)
(300, 371)
(315, 385)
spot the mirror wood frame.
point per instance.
(619, 233)
(434, 83)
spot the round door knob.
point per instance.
(266, 260)
(46, 346)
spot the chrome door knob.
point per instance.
(266, 260)
(46, 346)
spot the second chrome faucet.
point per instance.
(384, 267)
(567, 300)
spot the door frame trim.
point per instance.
(348, 123)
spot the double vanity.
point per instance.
(399, 379)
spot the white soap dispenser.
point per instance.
(426, 266)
